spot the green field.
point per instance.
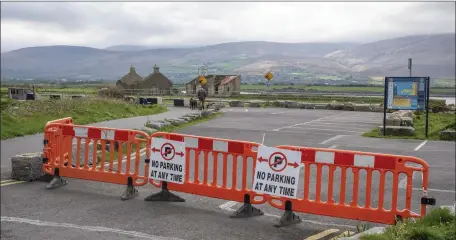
(437, 122)
(65, 90)
(94, 88)
(21, 118)
(344, 89)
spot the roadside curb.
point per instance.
(374, 230)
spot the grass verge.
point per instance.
(191, 123)
(439, 224)
(21, 118)
(437, 122)
(170, 128)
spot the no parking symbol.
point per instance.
(277, 172)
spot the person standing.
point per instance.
(202, 94)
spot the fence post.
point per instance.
(247, 210)
(164, 195)
(288, 218)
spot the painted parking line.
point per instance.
(325, 129)
(275, 113)
(8, 182)
(300, 124)
(420, 146)
(332, 139)
(45, 224)
(228, 206)
(323, 234)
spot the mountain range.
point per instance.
(433, 55)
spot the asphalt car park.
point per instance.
(86, 209)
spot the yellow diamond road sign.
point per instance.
(269, 76)
(202, 80)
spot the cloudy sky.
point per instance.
(102, 24)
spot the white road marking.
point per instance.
(318, 119)
(403, 181)
(141, 153)
(440, 166)
(326, 129)
(314, 133)
(246, 110)
(420, 146)
(351, 123)
(274, 113)
(262, 142)
(435, 190)
(227, 205)
(86, 228)
(303, 220)
(333, 147)
(322, 234)
(332, 139)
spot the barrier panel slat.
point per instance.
(215, 147)
(356, 161)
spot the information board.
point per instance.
(406, 93)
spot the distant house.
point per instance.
(21, 93)
(130, 80)
(155, 82)
(217, 85)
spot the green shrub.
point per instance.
(422, 233)
(436, 105)
(112, 92)
(439, 224)
(276, 104)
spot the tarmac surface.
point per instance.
(93, 210)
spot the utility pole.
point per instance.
(410, 66)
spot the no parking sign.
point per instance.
(277, 172)
(167, 161)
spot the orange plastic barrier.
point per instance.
(66, 154)
(52, 147)
(224, 169)
(219, 150)
(357, 161)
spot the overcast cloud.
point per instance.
(101, 24)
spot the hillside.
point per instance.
(433, 55)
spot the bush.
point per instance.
(436, 106)
(419, 112)
(439, 224)
(112, 92)
(276, 104)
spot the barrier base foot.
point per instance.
(247, 210)
(130, 193)
(288, 218)
(56, 182)
(164, 196)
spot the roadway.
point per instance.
(87, 210)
